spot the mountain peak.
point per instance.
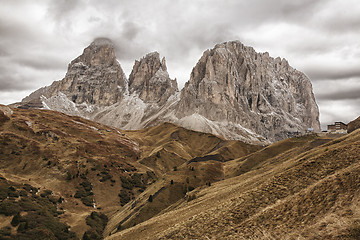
(233, 91)
(102, 42)
(233, 78)
(150, 79)
(100, 52)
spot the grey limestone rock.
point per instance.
(235, 84)
(233, 92)
(150, 79)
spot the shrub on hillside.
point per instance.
(125, 196)
(97, 221)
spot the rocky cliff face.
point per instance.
(233, 92)
(150, 80)
(250, 91)
(95, 77)
(96, 87)
(151, 94)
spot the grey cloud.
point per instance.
(13, 82)
(340, 95)
(94, 19)
(60, 9)
(332, 73)
(42, 62)
(130, 30)
(338, 110)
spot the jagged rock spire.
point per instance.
(150, 79)
(100, 52)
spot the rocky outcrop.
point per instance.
(151, 96)
(150, 80)
(95, 78)
(96, 87)
(233, 92)
(248, 91)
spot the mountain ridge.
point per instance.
(233, 92)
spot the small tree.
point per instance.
(172, 182)
(16, 220)
(150, 198)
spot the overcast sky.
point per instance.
(319, 37)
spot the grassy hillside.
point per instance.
(183, 160)
(65, 177)
(300, 188)
(78, 160)
(107, 179)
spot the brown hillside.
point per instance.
(309, 190)
(79, 160)
(92, 167)
(353, 125)
(171, 151)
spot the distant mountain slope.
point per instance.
(307, 188)
(353, 125)
(233, 92)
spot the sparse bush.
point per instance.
(136, 180)
(119, 227)
(68, 176)
(23, 193)
(45, 193)
(5, 231)
(106, 177)
(92, 235)
(125, 196)
(16, 220)
(12, 192)
(88, 201)
(97, 221)
(8, 207)
(23, 226)
(191, 197)
(81, 193)
(86, 185)
(125, 183)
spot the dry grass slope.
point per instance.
(308, 190)
(96, 167)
